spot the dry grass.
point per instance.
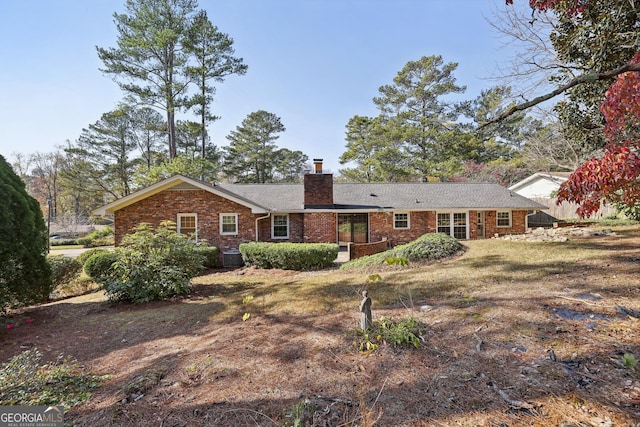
(497, 350)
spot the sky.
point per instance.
(313, 63)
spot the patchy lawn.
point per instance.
(517, 334)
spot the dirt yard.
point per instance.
(517, 334)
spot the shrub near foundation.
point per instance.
(289, 256)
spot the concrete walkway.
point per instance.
(73, 253)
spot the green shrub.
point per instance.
(25, 382)
(397, 333)
(152, 264)
(289, 256)
(99, 264)
(103, 237)
(84, 256)
(64, 269)
(430, 246)
(211, 256)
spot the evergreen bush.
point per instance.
(289, 256)
(430, 246)
(64, 269)
(211, 256)
(84, 256)
(99, 264)
(25, 276)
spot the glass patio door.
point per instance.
(353, 228)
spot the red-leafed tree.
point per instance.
(614, 175)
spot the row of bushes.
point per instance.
(289, 256)
(430, 246)
(103, 237)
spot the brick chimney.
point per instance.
(318, 187)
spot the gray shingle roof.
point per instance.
(398, 196)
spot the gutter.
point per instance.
(258, 219)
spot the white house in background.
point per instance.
(540, 185)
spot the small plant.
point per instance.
(25, 381)
(246, 300)
(396, 261)
(366, 346)
(300, 413)
(630, 362)
(396, 333)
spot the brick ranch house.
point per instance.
(319, 211)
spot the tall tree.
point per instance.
(109, 144)
(149, 61)
(149, 129)
(213, 53)
(290, 165)
(376, 155)
(25, 276)
(418, 114)
(45, 184)
(251, 154)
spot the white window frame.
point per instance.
(188, 215)
(451, 227)
(509, 213)
(228, 233)
(408, 221)
(273, 225)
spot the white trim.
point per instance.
(228, 233)
(408, 214)
(273, 216)
(188, 215)
(452, 222)
(167, 184)
(498, 219)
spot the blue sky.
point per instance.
(314, 63)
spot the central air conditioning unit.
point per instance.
(232, 258)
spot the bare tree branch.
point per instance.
(584, 78)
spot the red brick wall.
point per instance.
(357, 250)
(518, 224)
(166, 205)
(318, 189)
(381, 226)
(320, 227)
(296, 229)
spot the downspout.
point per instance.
(526, 225)
(258, 219)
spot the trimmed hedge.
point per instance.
(63, 242)
(64, 269)
(429, 246)
(289, 256)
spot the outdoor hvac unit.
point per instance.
(232, 258)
